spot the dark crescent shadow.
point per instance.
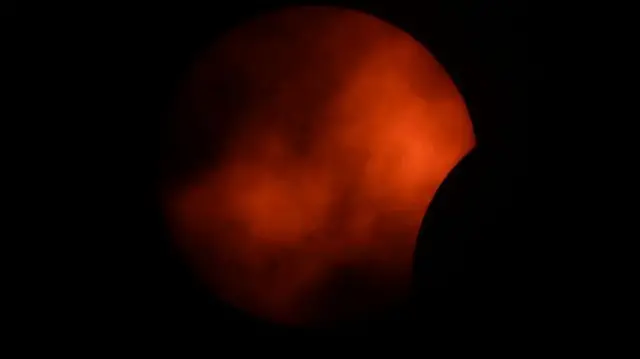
(439, 247)
(459, 279)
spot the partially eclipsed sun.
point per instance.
(321, 136)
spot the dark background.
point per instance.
(131, 60)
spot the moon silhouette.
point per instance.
(310, 141)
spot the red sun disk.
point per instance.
(339, 129)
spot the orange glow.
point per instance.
(339, 129)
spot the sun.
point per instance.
(323, 135)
